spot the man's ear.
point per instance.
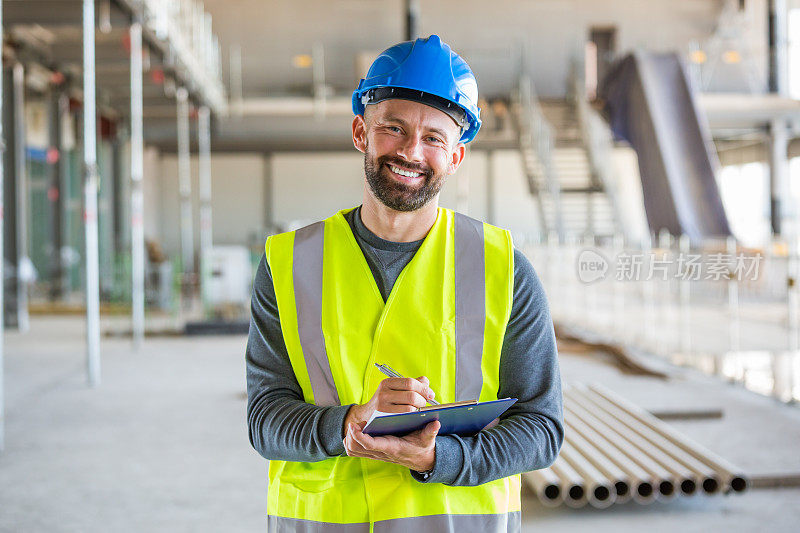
(360, 133)
(456, 158)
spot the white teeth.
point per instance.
(405, 173)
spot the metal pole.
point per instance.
(778, 84)
(590, 290)
(596, 485)
(732, 475)
(90, 199)
(708, 477)
(269, 204)
(664, 300)
(546, 485)
(778, 52)
(572, 483)
(185, 183)
(778, 172)
(793, 268)
(684, 282)
(137, 197)
(412, 19)
(490, 189)
(733, 301)
(2, 261)
(206, 236)
(55, 102)
(23, 262)
(650, 459)
(235, 74)
(616, 451)
(318, 76)
(619, 479)
(619, 324)
(647, 297)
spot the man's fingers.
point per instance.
(412, 398)
(353, 447)
(430, 431)
(424, 380)
(364, 440)
(409, 384)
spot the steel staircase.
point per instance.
(572, 198)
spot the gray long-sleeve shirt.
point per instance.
(283, 426)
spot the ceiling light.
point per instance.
(302, 61)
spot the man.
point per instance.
(427, 291)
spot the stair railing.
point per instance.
(536, 136)
(598, 143)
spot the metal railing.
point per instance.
(720, 308)
(598, 143)
(536, 139)
(185, 31)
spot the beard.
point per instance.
(395, 194)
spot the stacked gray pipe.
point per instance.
(614, 452)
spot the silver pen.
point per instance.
(387, 370)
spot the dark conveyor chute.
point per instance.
(650, 104)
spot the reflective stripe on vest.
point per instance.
(470, 295)
(470, 306)
(487, 523)
(307, 275)
(444, 318)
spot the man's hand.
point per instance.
(416, 450)
(394, 395)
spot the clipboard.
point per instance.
(464, 418)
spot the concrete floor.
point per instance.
(162, 444)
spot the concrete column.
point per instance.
(56, 99)
(778, 173)
(2, 295)
(10, 208)
(491, 190)
(412, 19)
(462, 192)
(204, 174)
(21, 178)
(778, 47)
(269, 206)
(185, 183)
(90, 198)
(137, 196)
(779, 138)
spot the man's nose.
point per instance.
(411, 149)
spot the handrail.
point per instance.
(598, 143)
(536, 133)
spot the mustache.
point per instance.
(405, 164)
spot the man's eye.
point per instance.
(434, 139)
(394, 128)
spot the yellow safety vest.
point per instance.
(445, 318)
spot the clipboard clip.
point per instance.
(441, 405)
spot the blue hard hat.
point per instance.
(427, 71)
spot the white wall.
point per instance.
(311, 186)
(237, 200)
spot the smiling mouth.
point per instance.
(408, 176)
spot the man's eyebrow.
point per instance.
(398, 120)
